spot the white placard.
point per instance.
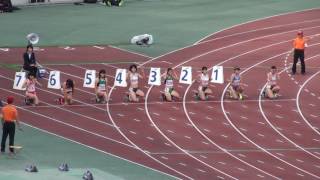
(89, 79)
(186, 75)
(120, 78)
(54, 80)
(155, 77)
(217, 75)
(19, 79)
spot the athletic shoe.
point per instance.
(120, 3)
(126, 98)
(197, 97)
(240, 97)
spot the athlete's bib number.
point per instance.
(155, 77)
(54, 80)
(217, 75)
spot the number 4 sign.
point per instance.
(89, 79)
(186, 75)
(54, 80)
(155, 77)
(19, 79)
(217, 75)
(120, 78)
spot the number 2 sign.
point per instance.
(186, 75)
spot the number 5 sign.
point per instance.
(19, 79)
(89, 79)
(54, 80)
(217, 75)
(155, 77)
(186, 75)
(120, 78)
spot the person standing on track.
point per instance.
(9, 116)
(203, 89)
(169, 91)
(299, 45)
(30, 85)
(272, 88)
(101, 88)
(134, 91)
(236, 88)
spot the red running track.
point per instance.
(218, 139)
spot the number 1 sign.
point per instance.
(217, 75)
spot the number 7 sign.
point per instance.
(19, 79)
(217, 75)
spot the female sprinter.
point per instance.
(101, 88)
(272, 88)
(134, 91)
(235, 87)
(169, 91)
(203, 89)
(67, 91)
(30, 85)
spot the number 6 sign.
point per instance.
(19, 79)
(217, 75)
(89, 79)
(54, 80)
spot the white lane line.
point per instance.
(182, 164)
(226, 116)
(120, 115)
(150, 138)
(132, 132)
(67, 124)
(99, 47)
(137, 120)
(172, 119)
(149, 89)
(298, 102)
(60, 107)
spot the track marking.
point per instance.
(67, 124)
(226, 116)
